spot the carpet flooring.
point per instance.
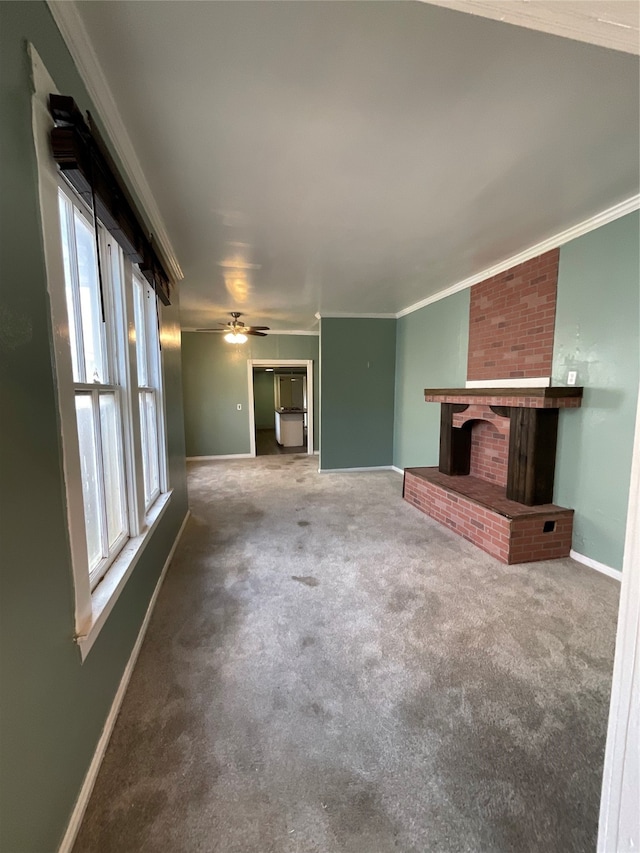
(329, 671)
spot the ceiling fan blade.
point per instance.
(238, 327)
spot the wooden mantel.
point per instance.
(560, 397)
(533, 417)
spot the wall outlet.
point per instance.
(572, 375)
(239, 406)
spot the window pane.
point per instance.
(152, 432)
(139, 298)
(115, 328)
(64, 208)
(149, 425)
(90, 303)
(112, 465)
(153, 344)
(90, 482)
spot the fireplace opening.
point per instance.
(481, 438)
(548, 527)
(489, 452)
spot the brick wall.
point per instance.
(511, 321)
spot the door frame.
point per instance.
(619, 826)
(280, 362)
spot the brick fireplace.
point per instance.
(494, 481)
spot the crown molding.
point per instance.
(597, 221)
(603, 218)
(73, 31)
(270, 333)
(344, 315)
(312, 332)
(595, 25)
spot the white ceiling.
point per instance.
(357, 157)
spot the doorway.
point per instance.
(280, 406)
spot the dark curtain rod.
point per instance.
(79, 152)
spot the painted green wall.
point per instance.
(431, 353)
(357, 387)
(264, 397)
(215, 380)
(53, 708)
(597, 324)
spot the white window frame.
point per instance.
(92, 607)
(114, 349)
(154, 378)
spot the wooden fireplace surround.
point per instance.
(533, 417)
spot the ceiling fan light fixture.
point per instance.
(235, 338)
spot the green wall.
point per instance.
(597, 323)
(215, 380)
(357, 382)
(264, 397)
(53, 708)
(431, 353)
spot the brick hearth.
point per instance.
(480, 512)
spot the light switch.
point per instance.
(572, 375)
(239, 406)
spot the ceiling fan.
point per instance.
(237, 331)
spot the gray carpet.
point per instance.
(329, 671)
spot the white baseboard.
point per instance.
(354, 470)
(397, 470)
(92, 773)
(231, 456)
(221, 456)
(594, 564)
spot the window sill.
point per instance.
(105, 595)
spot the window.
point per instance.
(112, 428)
(117, 386)
(147, 356)
(98, 387)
